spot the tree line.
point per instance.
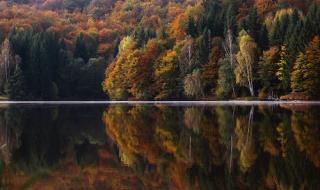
(164, 50)
(222, 56)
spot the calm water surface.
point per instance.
(160, 146)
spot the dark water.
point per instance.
(159, 147)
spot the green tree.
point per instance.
(80, 50)
(16, 85)
(191, 27)
(279, 30)
(225, 79)
(283, 72)
(297, 73)
(209, 71)
(311, 24)
(267, 67)
(230, 20)
(311, 70)
(251, 23)
(263, 41)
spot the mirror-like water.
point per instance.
(160, 146)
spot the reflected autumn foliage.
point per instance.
(218, 147)
(159, 147)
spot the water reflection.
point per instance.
(159, 147)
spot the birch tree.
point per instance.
(6, 63)
(229, 50)
(245, 61)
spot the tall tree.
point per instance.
(230, 20)
(279, 30)
(283, 72)
(225, 79)
(230, 55)
(16, 85)
(80, 50)
(263, 41)
(311, 24)
(311, 70)
(191, 27)
(246, 59)
(166, 72)
(7, 63)
(267, 67)
(297, 74)
(251, 23)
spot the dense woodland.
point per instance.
(159, 50)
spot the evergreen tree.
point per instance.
(202, 43)
(263, 41)
(279, 30)
(295, 43)
(297, 74)
(311, 70)
(312, 20)
(267, 68)
(225, 79)
(283, 72)
(16, 85)
(80, 50)
(251, 24)
(191, 27)
(293, 21)
(214, 17)
(230, 20)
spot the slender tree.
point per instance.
(246, 59)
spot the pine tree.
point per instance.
(295, 42)
(225, 79)
(251, 24)
(202, 44)
(16, 85)
(283, 72)
(279, 30)
(80, 50)
(191, 27)
(275, 33)
(293, 21)
(230, 20)
(311, 70)
(312, 20)
(263, 38)
(267, 68)
(297, 74)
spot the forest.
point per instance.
(160, 49)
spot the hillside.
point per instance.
(159, 50)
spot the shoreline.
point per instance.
(200, 102)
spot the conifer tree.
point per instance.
(230, 20)
(191, 27)
(311, 70)
(80, 50)
(283, 72)
(263, 38)
(225, 79)
(16, 85)
(297, 74)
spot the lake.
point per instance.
(152, 145)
